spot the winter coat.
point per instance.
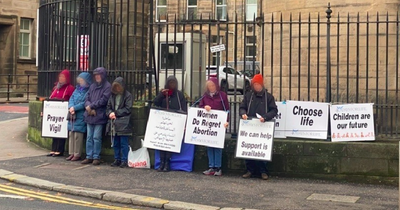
(262, 103)
(219, 101)
(77, 101)
(97, 98)
(64, 92)
(122, 123)
(177, 101)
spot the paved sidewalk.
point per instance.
(226, 191)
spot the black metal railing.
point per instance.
(325, 57)
(18, 87)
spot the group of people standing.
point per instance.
(92, 105)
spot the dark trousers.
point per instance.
(58, 145)
(164, 156)
(256, 166)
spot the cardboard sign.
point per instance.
(255, 140)
(352, 122)
(165, 130)
(280, 121)
(206, 128)
(54, 122)
(306, 119)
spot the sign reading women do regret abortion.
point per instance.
(206, 128)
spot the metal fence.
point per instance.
(18, 87)
(326, 57)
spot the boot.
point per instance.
(161, 167)
(166, 167)
(87, 161)
(247, 175)
(70, 157)
(116, 163)
(124, 164)
(264, 176)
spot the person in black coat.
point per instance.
(172, 99)
(258, 103)
(119, 124)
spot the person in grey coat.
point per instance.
(119, 125)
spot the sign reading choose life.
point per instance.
(255, 140)
(54, 122)
(206, 128)
(307, 119)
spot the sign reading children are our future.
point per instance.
(206, 128)
(255, 140)
(307, 119)
(165, 130)
(352, 122)
(54, 122)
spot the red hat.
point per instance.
(66, 73)
(258, 78)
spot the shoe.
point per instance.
(166, 167)
(70, 157)
(76, 158)
(87, 161)
(218, 172)
(161, 167)
(247, 175)
(264, 176)
(50, 154)
(58, 155)
(116, 163)
(210, 171)
(123, 164)
(96, 162)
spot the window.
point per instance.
(251, 48)
(192, 10)
(161, 10)
(25, 30)
(172, 56)
(251, 9)
(221, 10)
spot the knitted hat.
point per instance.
(258, 78)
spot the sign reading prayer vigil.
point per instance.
(306, 119)
(54, 122)
(255, 140)
(206, 128)
(352, 122)
(165, 130)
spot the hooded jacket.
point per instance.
(97, 98)
(218, 101)
(77, 101)
(176, 100)
(64, 92)
(262, 103)
(122, 124)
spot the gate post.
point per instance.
(328, 53)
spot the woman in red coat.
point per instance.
(62, 91)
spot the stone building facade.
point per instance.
(18, 42)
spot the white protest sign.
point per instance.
(306, 119)
(217, 48)
(54, 122)
(255, 140)
(280, 121)
(352, 122)
(165, 130)
(206, 128)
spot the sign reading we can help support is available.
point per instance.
(54, 122)
(306, 119)
(165, 130)
(206, 128)
(352, 122)
(255, 140)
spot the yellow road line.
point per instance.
(56, 199)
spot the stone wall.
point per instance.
(11, 11)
